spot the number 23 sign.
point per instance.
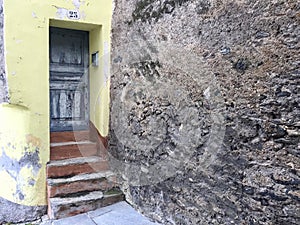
(73, 14)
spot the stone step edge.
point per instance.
(80, 177)
(58, 144)
(92, 196)
(72, 161)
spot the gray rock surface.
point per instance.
(14, 213)
(205, 109)
(3, 82)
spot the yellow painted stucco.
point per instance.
(22, 168)
(25, 121)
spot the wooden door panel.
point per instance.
(67, 69)
(67, 48)
(66, 110)
(69, 92)
(67, 105)
(66, 76)
(67, 85)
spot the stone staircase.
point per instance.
(78, 174)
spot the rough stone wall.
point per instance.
(205, 116)
(3, 84)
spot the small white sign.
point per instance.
(73, 15)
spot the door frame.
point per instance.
(99, 85)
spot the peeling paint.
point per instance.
(61, 13)
(82, 15)
(23, 170)
(3, 79)
(34, 15)
(31, 182)
(78, 3)
(33, 140)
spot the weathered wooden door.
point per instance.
(69, 88)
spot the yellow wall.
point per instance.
(27, 62)
(22, 171)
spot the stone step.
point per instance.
(67, 150)
(69, 136)
(70, 206)
(84, 182)
(75, 166)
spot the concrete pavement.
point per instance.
(120, 213)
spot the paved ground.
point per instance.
(117, 214)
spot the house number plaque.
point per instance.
(73, 14)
